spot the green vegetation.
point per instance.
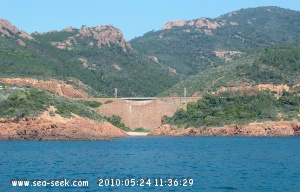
(277, 64)
(138, 75)
(92, 104)
(109, 101)
(141, 129)
(190, 51)
(32, 102)
(179, 50)
(116, 121)
(52, 113)
(103, 96)
(256, 32)
(219, 110)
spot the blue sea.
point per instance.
(152, 164)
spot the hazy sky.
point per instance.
(133, 17)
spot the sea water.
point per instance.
(153, 163)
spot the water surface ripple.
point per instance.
(214, 163)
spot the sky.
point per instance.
(133, 17)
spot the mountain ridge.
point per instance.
(6, 28)
(149, 65)
(189, 47)
(101, 35)
(97, 56)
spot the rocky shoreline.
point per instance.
(271, 129)
(57, 128)
(46, 127)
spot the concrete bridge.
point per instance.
(143, 112)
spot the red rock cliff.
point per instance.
(58, 87)
(103, 35)
(281, 128)
(45, 127)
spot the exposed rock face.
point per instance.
(58, 87)
(67, 44)
(171, 24)
(204, 25)
(281, 128)
(232, 13)
(68, 29)
(117, 67)
(57, 128)
(255, 89)
(6, 28)
(169, 130)
(153, 58)
(234, 23)
(86, 64)
(227, 54)
(172, 70)
(203, 22)
(207, 31)
(21, 42)
(200, 23)
(102, 35)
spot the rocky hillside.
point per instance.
(98, 57)
(45, 127)
(8, 30)
(32, 114)
(282, 128)
(274, 67)
(203, 54)
(98, 36)
(191, 46)
(59, 87)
